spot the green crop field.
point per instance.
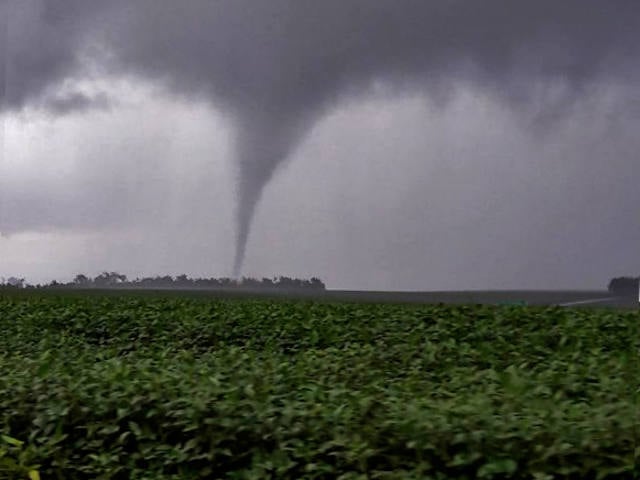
(152, 387)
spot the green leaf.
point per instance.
(12, 441)
(496, 467)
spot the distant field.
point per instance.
(490, 297)
(175, 386)
(531, 297)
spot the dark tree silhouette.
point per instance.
(13, 282)
(82, 280)
(182, 281)
(624, 285)
(109, 279)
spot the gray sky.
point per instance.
(388, 144)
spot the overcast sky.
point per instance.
(387, 144)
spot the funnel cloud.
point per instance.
(275, 67)
(262, 145)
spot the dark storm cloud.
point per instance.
(276, 65)
(43, 43)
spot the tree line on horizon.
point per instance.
(118, 280)
(618, 285)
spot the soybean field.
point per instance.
(127, 386)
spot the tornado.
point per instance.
(263, 145)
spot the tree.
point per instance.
(317, 284)
(15, 282)
(183, 281)
(109, 279)
(624, 285)
(267, 283)
(81, 280)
